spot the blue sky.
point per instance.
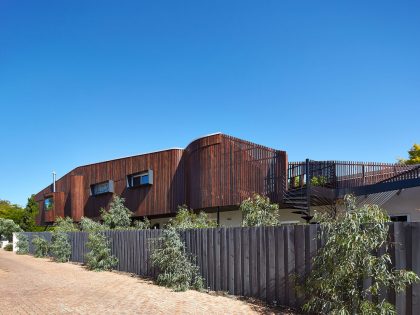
(86, 81)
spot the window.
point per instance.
(399, 218)
(140, 179)
(48, 204)
(102, 188)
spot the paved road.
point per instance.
(31, 285)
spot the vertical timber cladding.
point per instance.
(162, 197)
(223, 171)
(57, 208)
(77, 197)
(215, 170)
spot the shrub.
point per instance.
(7, 228)
(8, 247)
(60, 246)
(65, 225)
(88, 225)
(187, 219)
(352, 242)
(99, 258)
(22, 244)
(41, 246)
(142, 225)
(118, 216)
(319, 181)
(258, 211)
(175, 269)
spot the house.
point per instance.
(216, 173)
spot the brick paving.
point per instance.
(31, 285)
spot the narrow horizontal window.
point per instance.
(399, 218)
(140, 179)
(102, 188)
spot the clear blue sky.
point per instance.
(86, 81)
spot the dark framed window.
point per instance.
(140, 179)
(48, 204)
(399, 218)
(102, 188)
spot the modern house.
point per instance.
(216, 173)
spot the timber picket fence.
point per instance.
(257, 262)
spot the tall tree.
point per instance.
(11, 211)
(413, 155)
(31, 211)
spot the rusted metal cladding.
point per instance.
(223, 171)
(77, 196)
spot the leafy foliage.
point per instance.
(413, 155)
(24, 217)
(28, 219)
(187, 219)
(319, 181)
(7, 228)
(22, 244)
(175, 268)
(11, 211)
(60, 247)
(65, 225)
(8, 247)
(142, 225)
(41, 246)
(296, 181)
(99, 258)
(350, 255)
(118, 216)
(88, 225)
(258, 211)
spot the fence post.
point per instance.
(363, 174)
(308, 187)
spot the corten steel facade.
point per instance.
(212, 172)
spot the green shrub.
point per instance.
(22, 244)
(65, 225)
(60, 247)
(319, 181)
(296, 182)
(88, 225)
(175, 269)
(8, 247)
(99, 258)
(187, 219)
(258, 211)
(118, 216)
(142, 225)
(41, 246)
(349, 256)
(7, 228)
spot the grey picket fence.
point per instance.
(260, 262)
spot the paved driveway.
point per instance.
(31, 285)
